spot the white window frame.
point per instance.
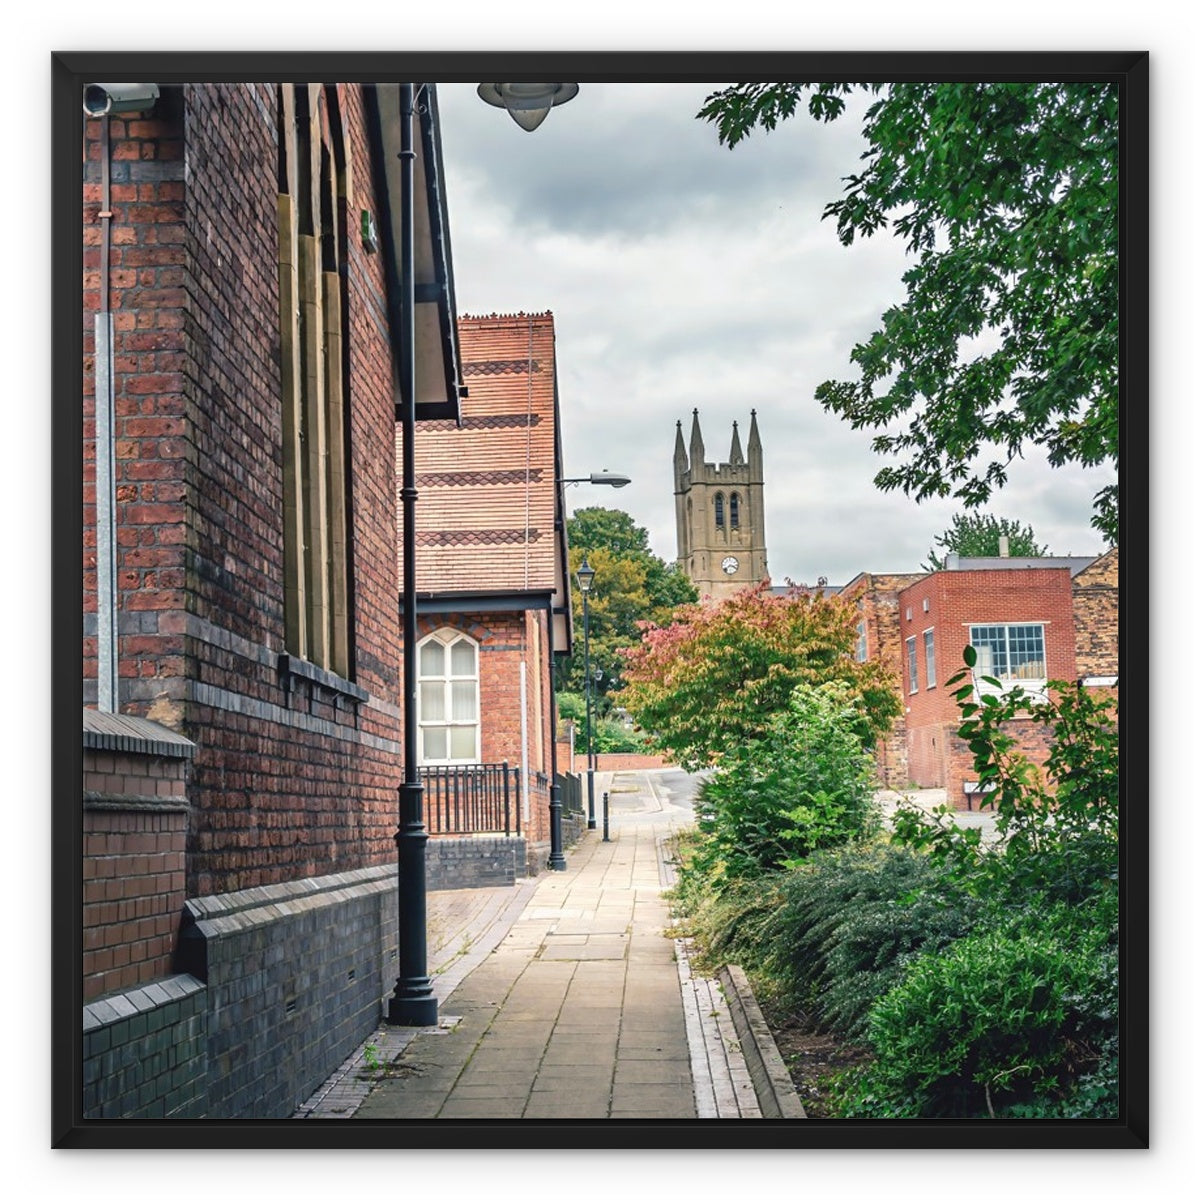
(448, 638)
(930, 659)
(1032, 685)
(860, 649)
(910, 646)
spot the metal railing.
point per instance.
(476, 798)
(570, 790)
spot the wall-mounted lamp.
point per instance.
(527, 103)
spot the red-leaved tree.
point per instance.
(713, 678)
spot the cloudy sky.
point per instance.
(684, 275)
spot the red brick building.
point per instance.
(242, 332)
(492, 600)
(1030, 621)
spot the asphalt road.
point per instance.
(669, 793)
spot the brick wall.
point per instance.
(294, 775)
(1097, 604)
(293, 976)
(148, 301)
(1032, 740)
(948, 602)
(135, 820)
(134, 823)
(145, 1052)
(877, 598)
(473, 862)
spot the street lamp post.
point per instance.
(557, 861)
(585, 575)
(413, 1002)
(594, 681)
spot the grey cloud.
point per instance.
(617, 169)
(682, 275)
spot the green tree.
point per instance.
(713, 678)
(631, 585)
(804, 785)
(1006, 197)
(977, 535)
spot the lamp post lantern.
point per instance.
(607, 478)
(527, 103)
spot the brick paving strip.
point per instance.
(565, 998)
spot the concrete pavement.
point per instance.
(562, 998)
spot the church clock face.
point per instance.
(729, 564)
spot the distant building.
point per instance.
(493, 608)
(720, 530)
(1030, 621)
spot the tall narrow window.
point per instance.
(860, 650)
(719, 510)
(448, 698)
(930, 664)
(910, 645)
(733, 510)
(312, 305)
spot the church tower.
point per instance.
(719, 512)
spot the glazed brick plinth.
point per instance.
(470, 862)
(295, 977)
(145, 1051)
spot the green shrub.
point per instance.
(997, 1020)
(805, 785)
(1059, 826)
(847, 923)
(826, 938)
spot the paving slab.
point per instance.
(565, 997)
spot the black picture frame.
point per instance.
(70, 72)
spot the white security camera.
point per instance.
(104, 99)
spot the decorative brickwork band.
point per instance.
(502, 366)
(477, 537)
(477, 478)
(498, 421)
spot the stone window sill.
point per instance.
(292, 667)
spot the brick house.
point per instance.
(241, 638)
(1030, 620)
(492, 589)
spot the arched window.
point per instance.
(719, 510)
(448, 698)
(733, 510)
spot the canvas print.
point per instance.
(600, 601)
